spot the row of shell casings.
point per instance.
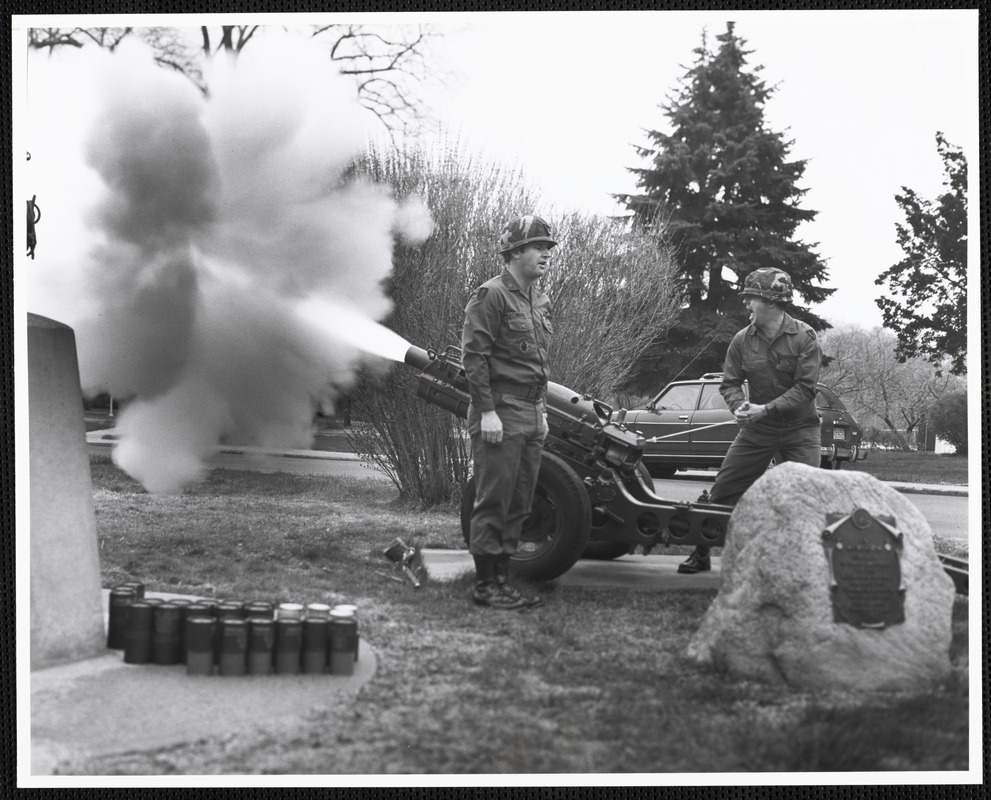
(233, 638)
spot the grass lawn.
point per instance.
(594, 681)
(914, 467)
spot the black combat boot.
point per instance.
(698, 561)
(507, 588)
(487, 591)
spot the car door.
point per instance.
(713, 427)
(666, 420)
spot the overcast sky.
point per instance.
(861, 93)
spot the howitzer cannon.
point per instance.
(594, 497)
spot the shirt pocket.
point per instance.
(759, 376)
(787, 364)
(517, 324)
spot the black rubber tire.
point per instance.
(556, 532)
(661, 471)
(605, 551)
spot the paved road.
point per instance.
(947, 515)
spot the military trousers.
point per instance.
(751, 452)
(505, 473)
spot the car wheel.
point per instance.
(661, 471)
(555, 535)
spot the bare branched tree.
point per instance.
(890, 398)
(387, 62)
(232, 38)
(50, 38)
(614, 292)
(175, 50)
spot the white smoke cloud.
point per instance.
(182, 234)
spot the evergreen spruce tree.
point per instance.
(722, 185)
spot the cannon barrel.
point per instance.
(442, 379)
(571, 416)
(418, 357)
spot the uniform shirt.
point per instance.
(505, 338)
(782, 372)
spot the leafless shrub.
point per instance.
(612, 290)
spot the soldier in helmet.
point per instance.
(504, 342)
(780, 358)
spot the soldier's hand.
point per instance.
(491, 427)
(749, 412)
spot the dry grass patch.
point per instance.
(594, 681)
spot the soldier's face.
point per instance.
(534, 259)
(759, 308)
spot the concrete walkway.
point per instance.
(653, 573)
(102, 706)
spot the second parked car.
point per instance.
(688, 426)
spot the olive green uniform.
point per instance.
(504, 346)
(782, 373)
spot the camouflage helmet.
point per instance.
(769, 283)
(524, 230)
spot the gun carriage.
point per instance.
(594, 497)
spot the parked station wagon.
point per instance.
(695, 427)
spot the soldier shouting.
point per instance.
(504, 343)
(780, 358)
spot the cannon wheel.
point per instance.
(556, 532)
(605, 551)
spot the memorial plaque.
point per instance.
(864, 555)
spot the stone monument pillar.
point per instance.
(66, 601)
